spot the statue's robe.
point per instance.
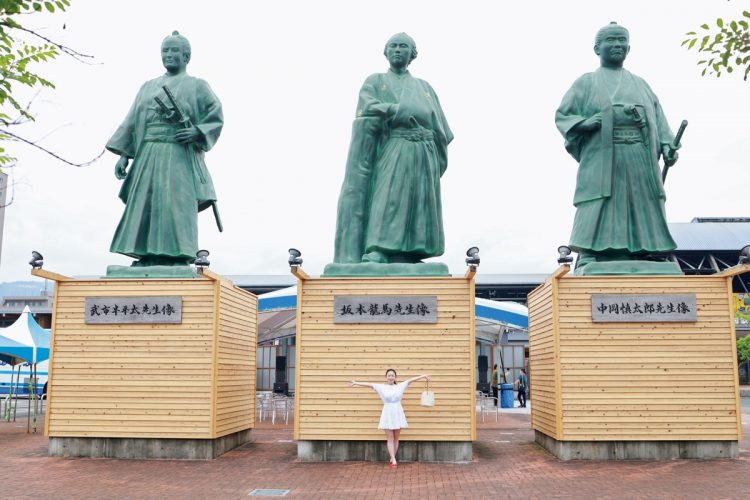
(619, 192)
(167, 183)
(390, 200)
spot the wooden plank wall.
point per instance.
(543, 365)
(329, 355)
(648, 381)
(132, 380)
(236, 359)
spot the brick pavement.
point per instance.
(506, 463)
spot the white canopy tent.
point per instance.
(23, 342)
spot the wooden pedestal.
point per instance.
(633, 389)
(152, 390)
(336, 422)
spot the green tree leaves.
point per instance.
(17, 61)
(743, 348)
(726, 46)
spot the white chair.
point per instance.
(265, 405)
(485, 402)
(490, 403)
(280, 406)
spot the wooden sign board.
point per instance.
(626, 308)
(385, 309)
(133, 310)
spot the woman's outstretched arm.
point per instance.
(420, 377)
(354, 383)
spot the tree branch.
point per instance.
(67, 50)
(31, 143)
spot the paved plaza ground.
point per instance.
(507, 464)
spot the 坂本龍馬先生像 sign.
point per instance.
(385, 309)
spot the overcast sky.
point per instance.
(288, 74)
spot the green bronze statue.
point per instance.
(174, 120)
(390, 209)
(615, 128)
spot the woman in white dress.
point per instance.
(392, 418)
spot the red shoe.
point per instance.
(392, 465)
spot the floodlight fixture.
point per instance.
(472, 256)
(295, 257)
(37, 261)
(745, 255)
(564, 258)
(202, 259)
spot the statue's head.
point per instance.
(175, 52)
(612, 44)
(400, 50)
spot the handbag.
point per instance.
(428, 397)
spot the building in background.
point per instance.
(11, 307)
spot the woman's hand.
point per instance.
(427, 377)
(352, 383)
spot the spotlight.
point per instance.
(295, 257)
(745, 255)
(202, 259)
(37, 261)
(564, 257)
(472, 256)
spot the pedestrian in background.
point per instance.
(521, 384)
(495, 383)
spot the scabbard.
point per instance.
(215, 209)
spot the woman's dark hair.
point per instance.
(390, 370)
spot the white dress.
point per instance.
(392, 416)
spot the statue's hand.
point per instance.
(186, 135)
(591, 124)
(669, 159)
(120, 168)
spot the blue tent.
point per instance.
(13, 353)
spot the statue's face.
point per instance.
(398, 52)
(173, 55)
(613, 47)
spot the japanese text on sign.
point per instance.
(385, 309)
(109, 310)
(643, 308)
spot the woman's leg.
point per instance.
(389, 444)
(395, 443)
